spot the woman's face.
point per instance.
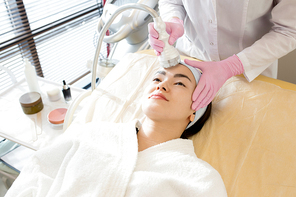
(168, 97)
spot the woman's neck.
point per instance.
(152, 133)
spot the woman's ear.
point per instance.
(192, 116)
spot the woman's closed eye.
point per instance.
(156, 79)
(180, 83)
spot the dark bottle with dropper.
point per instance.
(66, 92)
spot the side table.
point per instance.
(32, 131)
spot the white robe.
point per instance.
(102, 159)
(172, 169)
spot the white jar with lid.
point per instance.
(54, 94)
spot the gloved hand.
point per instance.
(174, 27)
(214, 75)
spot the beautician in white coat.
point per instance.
(237, 36)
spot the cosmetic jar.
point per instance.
(54, 94)
(105, 66)
(56, 117)
(31, 102)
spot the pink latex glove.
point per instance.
(214, 75)
(174, 27)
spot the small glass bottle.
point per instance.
(66, 92)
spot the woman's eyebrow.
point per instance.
(160, 72)
(181, 75)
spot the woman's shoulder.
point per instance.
(200, 172)
(99, 125)
(98, 130)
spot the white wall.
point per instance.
(287, 68)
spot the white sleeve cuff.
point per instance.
(247, 67)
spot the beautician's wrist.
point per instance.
(240, 64)
(176, 20)
(235, 65)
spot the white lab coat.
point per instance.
(258, 31)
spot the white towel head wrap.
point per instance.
(197, 74)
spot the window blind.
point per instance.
(56, 36)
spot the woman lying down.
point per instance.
(148, 158)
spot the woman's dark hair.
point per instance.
(198, 125)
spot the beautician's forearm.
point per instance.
(169, 9)
(275, 44)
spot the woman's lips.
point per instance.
(158, 96)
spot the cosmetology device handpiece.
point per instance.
(169, 56)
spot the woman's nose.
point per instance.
(161, 86)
